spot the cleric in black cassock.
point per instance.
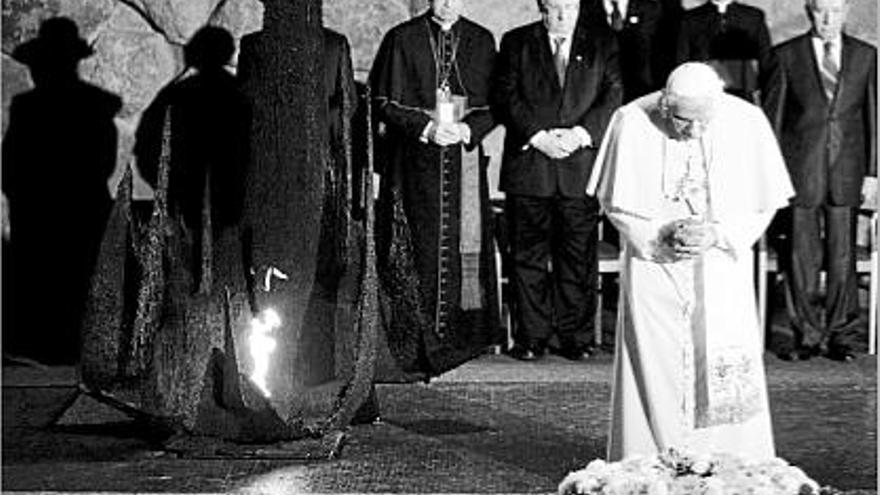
(434, 244)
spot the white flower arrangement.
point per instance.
(676, 472)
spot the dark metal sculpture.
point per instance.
(156, 345)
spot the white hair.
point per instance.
(694, 80)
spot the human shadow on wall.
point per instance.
(209, 121)
(58, 154)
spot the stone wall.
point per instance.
(138, 43)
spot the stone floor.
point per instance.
(492, 426)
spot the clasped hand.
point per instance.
(448, 133)
(689, 237)
(558, 143)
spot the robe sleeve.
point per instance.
(388, 78)
(478, 77)
(641, 234)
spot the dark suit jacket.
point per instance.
(527, 99)
(828, 146)
(740, 34)
(646, 42)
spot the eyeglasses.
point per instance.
(682, 123)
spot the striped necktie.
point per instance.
(616, 16)
(829, 70)
(559, 61)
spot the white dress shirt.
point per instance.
(621, 5)
(819, 50)
(721, 5)
(565, 47)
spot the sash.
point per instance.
(470, 240)
(452, 108)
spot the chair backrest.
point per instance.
(607, 249)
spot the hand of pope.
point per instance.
(691, 237)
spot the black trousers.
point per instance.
(831, 320)
(560, 233)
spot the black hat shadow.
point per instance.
(58, 42)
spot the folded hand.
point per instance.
(551, 145)
(445, 134)
(569, 140)
(690, 237)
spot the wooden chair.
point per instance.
(609, 262)
(866, 263)
(502, 268)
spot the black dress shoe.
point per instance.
(787, 355)
(574, 354)
(798, 354)
(523, 353)
(806, 353)
(842, 355)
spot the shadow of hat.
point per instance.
(57, 41)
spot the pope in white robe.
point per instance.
(691, 177)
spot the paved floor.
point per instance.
(492, 426)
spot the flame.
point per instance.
(262, 344)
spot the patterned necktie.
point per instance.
(559, 61)
(616, 17)
(829, 70)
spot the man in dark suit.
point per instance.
(821, 99)
(645, 33)
(556, 85)
(731, 36)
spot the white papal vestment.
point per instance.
(688, 369)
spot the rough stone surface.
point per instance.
(138, 42)
(131, 60)
(16, 79)
(364, 23)
(21, 18)
(177, 19)
(240, 17)
(515, 14)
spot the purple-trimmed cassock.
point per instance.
(433, 224)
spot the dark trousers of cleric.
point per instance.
(831, 320)
(553, 243)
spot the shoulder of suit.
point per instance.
(864, 45)
(747, 10)
(408, 27)
(697, 12)
(525, 30)
(790, 44)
